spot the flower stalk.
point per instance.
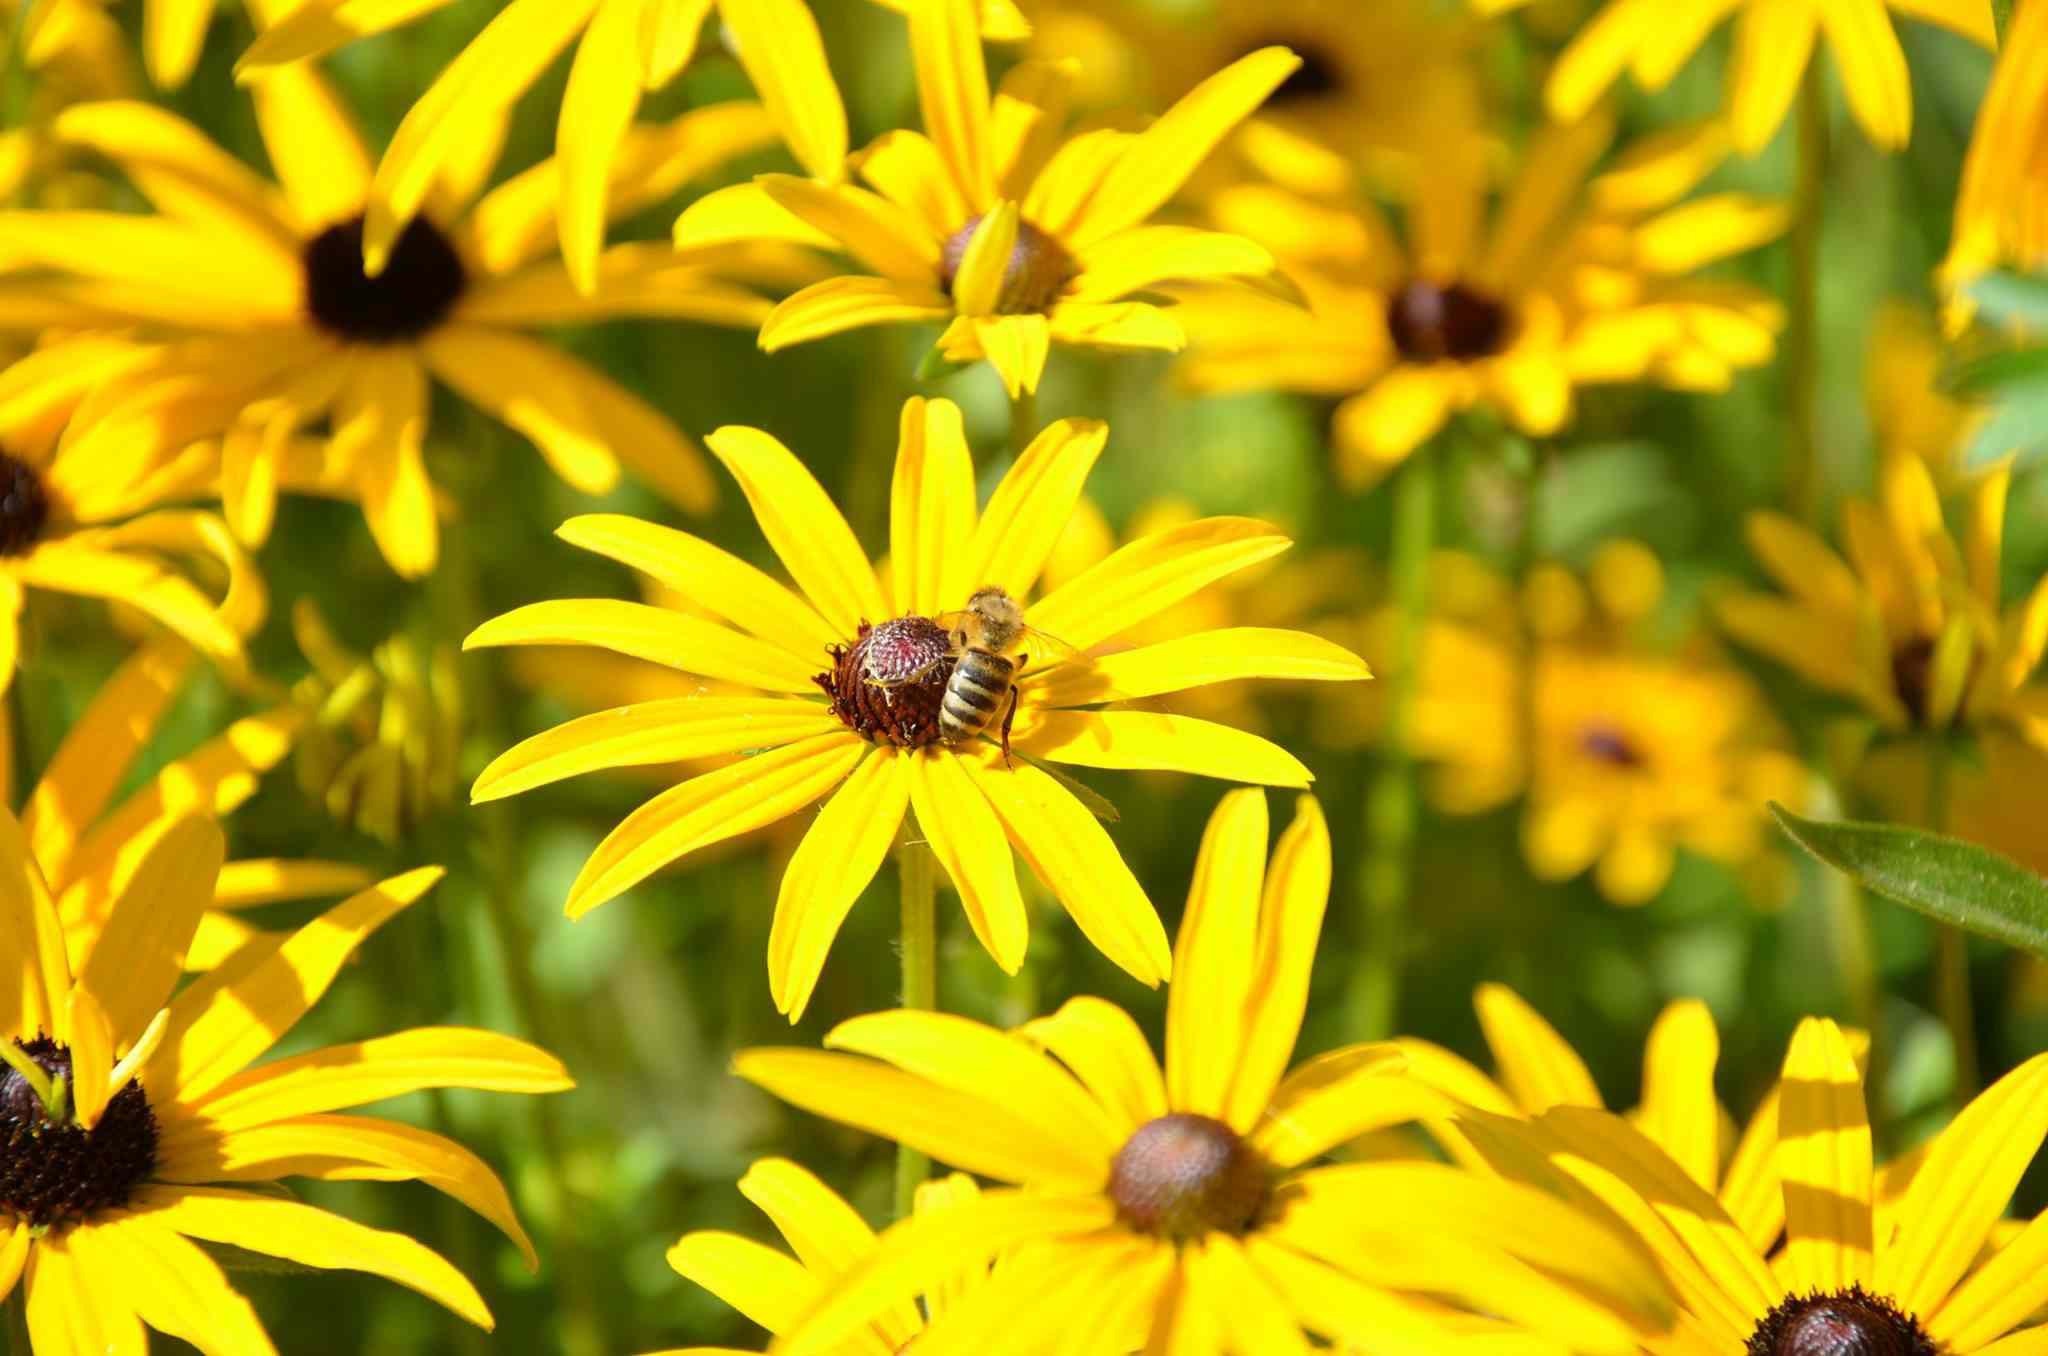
(917, 876)
(1802, 337)
(1951, 945)
(1391, 811)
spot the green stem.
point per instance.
(1802, 336)
(15, 99)
(1023, 422)
(1951, 944)
(917, 874)
(16, 1318)
(1391, 812)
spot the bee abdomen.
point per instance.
(979, 686)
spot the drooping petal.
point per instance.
(840, 853)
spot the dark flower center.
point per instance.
(1183, 1176)
(1853, 1322)
(1432, 323)
(419, 286)
(24, 506)
(54, 1171)
(1605, 744)
(1913, 676)
(889, 684)
(1039, 268)
(1319, 75)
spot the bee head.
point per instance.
(997, 616)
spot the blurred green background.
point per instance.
(647, 998)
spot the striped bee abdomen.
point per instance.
(975, 694)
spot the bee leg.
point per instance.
(1008, 717)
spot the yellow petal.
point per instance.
(784, 55)
(1538, 1066)
(322, 26)
(343, 1076)
(668, 730)
(33, 987)
(907, 169)
(885, 237)
(839, 855)
(1339, 1096)
(173, 1286)
(92, 1057)
(1135, 260)
(1214, 956)
(931, 509)
(1198, 660)
(952, 91)
(1824, 1156)
(1167, 153)
(1000, 1139)
(1598, 54)
(141, 952)
(967, 838)
(228, 1017)
(827, 1234)
(1107, 1052)
(1773, 42)
(313, 143)
(1873, 68)
(978, 283)
(1340, 1306)
(69, 1312)
(1155, 741)
(534, 389)
(1750, 1189)
(840, 304)
(1297, 889)
(1679, 1110)
(995, 1066)
(1033, 505)
(1148, 576)
(809, 536)
(684, 643)
(597, 108)
(767, 1287)
(710, 809)
(712, 578)
(1017, 346)
(743, 212)
(1071, 855)
(311, 1237)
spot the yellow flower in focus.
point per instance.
(380, 750)
(2001, 207)
(1855, 1270)
(1574, 283)
(1639, 750)
(1537, 1069)
(1185, 1208)
(1652, 40)
(990, 221)
(133, 1121)
(75, 523)
(1911, 627)
(272, 326)
(1375, 82)
(830, 1240)
(877, 743)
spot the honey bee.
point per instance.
(984, 674)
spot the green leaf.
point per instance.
(1988, 375)
(1958, 883)
(2018, 426)
(2012, 298)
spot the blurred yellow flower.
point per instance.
(129, 1117)
(830, 1240)
(1855, 1271)
(2001, 212)
(1910, 412)
(1576, 283)
(1185, 1208)
(1374, 84)
(385, 731)
(1774, 41)
(1537, 1069)
(74, 52)
(1639, 750)
(989, 221)
(273, 326)
(74, 522)
(884, 748)
(1912, 627)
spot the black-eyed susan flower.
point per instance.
(1856, 1271)
(1625, 751)
(1536, 1069)
(385, 731)
(990, 222)
(133, 1122)
(1374, 84)
(1652, 40)
(1573, 284)
(1183, 1207)
(1912, 627)
(830, 1240)
(75, 52)
(75, 523)
(875, 742)
(623, 48)
(270, 324)
(2001, 214)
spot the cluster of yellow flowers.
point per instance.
(1326, 204)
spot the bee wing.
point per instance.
(1045, 641)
